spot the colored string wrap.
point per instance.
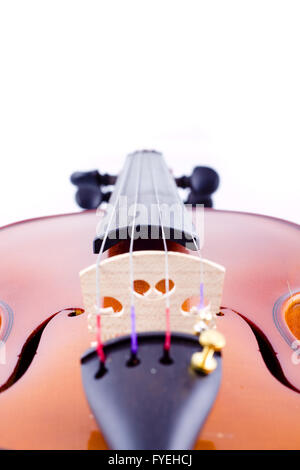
(100, 351)
(134, 342)
(201, 303)
(206, 316)
(167, 345)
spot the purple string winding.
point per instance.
(134, 343)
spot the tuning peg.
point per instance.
(93, 177)
(212, 341)
(89, 196)
(196, 198)
(203, 182)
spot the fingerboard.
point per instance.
(146, 187)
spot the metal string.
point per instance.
(99, 305)
(167, 344)
(199, 253)
(134, 341)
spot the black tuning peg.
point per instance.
(203, 182)
(93, 177)
(90, 197)
(89, 194)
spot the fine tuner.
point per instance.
(212, 341)
(203, 182)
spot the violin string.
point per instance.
(198, 252)
(99, 305)
(134, 341)
(167, 344)
(201, 303)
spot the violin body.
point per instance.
(42, 402)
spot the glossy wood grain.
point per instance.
(46, 407)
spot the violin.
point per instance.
(145, 323)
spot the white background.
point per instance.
(85, 82)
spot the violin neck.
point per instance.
(145, 196)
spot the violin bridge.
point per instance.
(185, 274)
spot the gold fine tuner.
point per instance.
(212, 341)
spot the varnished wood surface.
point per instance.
(46, 407)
